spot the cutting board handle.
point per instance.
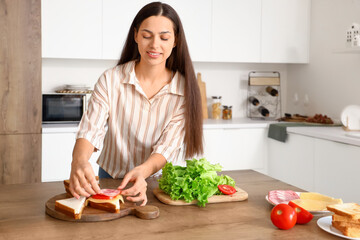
(146, 212)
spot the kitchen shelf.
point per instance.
(352, 50)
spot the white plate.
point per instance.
(298, 193)
(325, 224)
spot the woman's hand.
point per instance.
(82, 180)
(136, 193)
(82, 177)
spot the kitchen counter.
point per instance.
(235, 123)
(22, 216)
(337, 134)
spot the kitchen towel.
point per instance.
(278, 131)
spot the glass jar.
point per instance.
(216, 107)
(227, 112)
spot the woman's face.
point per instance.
(155, 39)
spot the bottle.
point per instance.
(216, 111)
(272, 91)
(254, 100)
(263, 111)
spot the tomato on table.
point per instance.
(303, 216)
(283, 216)
(227, 189)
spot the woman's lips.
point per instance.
(153, 54)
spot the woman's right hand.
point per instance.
(82, 177)
(82, 180)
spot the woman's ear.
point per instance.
(175, 42)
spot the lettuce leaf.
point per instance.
(198, 180)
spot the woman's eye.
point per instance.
(146, 37)
(164, 39)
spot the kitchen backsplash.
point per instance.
(228, 80)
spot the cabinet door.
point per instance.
(236, 30)
(337, 170)
(57, 156)
(285, 31)
(236, 149)
(292, 162)
(71, 29)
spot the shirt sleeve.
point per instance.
(172, 138)
(93, 122)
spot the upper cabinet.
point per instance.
(270, 31)
(236, 30)
(71, 29)
(285, 31)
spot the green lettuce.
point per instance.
(198, 180)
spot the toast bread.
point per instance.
(109, 205)
(350, 210)
(350, 230)
(71, 206)
(339, 218)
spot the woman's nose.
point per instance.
(155, 42)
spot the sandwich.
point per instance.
(72, 207)
(107, 200)
(346, 218)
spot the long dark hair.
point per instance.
(180, 61)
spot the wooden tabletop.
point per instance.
(22, 216)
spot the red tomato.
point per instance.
(283, 216)
(303, 216)
(107, 194)
(227, 189)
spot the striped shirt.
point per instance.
(128, 126)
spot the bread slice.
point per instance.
(348, 229)
(112, 205)
(339, 218)
(71, 206)
(350, 210)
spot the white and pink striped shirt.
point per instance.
(129, 126)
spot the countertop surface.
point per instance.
(22, 216)
(337, 134)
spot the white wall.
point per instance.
(331, 80)
(228, 80)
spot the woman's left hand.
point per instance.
(136, 193)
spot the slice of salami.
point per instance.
(282, 196)
(110, 192)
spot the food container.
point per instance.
(227, 112)
(216, 107)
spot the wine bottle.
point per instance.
(254, 101)
(272, 91)
(263, 111)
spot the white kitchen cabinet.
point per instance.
(236, 149)
(314, 164)
(236, 32)
(337, 170)
(71, 29)
(292, 162)
(57, 156)
(285, 31)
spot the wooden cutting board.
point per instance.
(240, 195)
(96, 215)
(202, 87)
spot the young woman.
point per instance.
(145, 111)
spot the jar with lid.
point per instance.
(216, 107)
(227, 112)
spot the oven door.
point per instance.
(63, 108)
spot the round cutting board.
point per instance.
(90, 214)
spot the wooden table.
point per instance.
(22, 216)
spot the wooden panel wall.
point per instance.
(20, 91)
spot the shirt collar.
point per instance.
(176, 86)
